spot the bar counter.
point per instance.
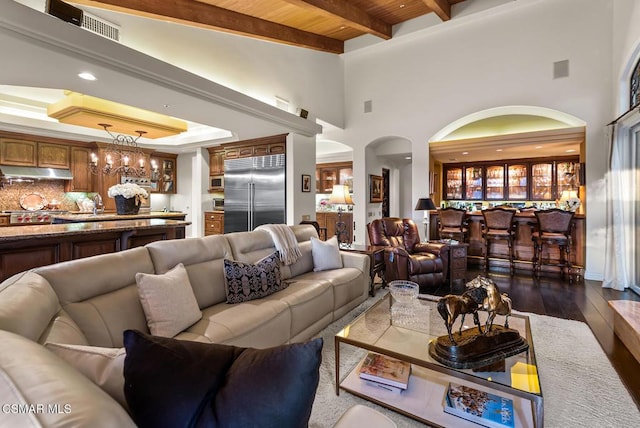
(26, 247)
(523, 245)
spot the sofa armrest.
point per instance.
(355, 260)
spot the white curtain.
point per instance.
(622, 247)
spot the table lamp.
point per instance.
(340, 196)
(425, 204)
(570, 199)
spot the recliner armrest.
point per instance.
(429, 247)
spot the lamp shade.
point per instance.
(340, 195)
(425, 204)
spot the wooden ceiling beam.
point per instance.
(442, 8)
(197, 14)
(351, 16)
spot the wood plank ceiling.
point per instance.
(323, 25)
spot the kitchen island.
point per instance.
(80, 217)
(26, 247)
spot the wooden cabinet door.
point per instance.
(277, 148)
(261, 150)
(216, 162)
(213, 223)
(53, 156)
(82, 177)
(163, 174)
(18, 152)
(245, 152)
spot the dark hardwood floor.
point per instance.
(584, 301)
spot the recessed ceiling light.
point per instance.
(570, 150)
(465, 153)
(498, 150)
(87, 76)
(401, 6)
(538, 147)
(407, 157)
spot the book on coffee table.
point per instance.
(484, 408)
(385, 370)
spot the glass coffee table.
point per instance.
(375, 330)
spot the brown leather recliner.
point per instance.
(407, 258)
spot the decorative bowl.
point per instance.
(403, 291)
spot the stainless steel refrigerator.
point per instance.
(254, 192)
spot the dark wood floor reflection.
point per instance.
(584, 301)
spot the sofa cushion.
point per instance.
(168, 301)
(102, 366)
(31, 375)
(203, 260)
(246, 281)
(176, 383)
(326, 254)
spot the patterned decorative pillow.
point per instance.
(246, 281)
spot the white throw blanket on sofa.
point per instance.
(285, 242)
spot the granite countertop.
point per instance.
(14, 233)
(77, 216)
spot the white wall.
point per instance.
(504, 57)
(626, 49)
(301, 159)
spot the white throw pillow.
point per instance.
(326, 254)
(168, 301)
(103, 366)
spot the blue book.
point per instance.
(481, 407)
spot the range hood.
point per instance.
(17, 172)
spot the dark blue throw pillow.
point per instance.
(175, 383)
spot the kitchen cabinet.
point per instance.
(329, 174)
(216, 162)
(453, 183)
(53, 156)
(82, 177)
(213, 223)
(328, 220)
(18, 152)
(163, 173)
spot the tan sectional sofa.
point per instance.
(92, 301)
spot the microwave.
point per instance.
(216, 182)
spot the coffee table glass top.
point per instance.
(377, 330)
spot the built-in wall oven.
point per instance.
(143, 182)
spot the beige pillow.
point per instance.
(103, 366)
(168, 301)
(326, 254)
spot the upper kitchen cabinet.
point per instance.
(328, 174)
(53, 156)
(216, 161)
(31, 153)
(18, 152)
(163, 173)
(82, 178)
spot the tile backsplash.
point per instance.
(51, 190)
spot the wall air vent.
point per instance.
(100, 26)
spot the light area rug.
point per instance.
(579, 385)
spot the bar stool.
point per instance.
(553, 227)
(498, 225)
(451, 224)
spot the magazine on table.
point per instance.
(386, 370)
(484, 408)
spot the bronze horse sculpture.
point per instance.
(451, 306)
(495, 303)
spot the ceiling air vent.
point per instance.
(100, 26)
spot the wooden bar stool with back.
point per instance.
(498, 225)
(553, 227)
(451, 224)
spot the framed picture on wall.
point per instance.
(375, 188)
(306, 183)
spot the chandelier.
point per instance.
(122, 156)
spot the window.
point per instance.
(635, 86)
